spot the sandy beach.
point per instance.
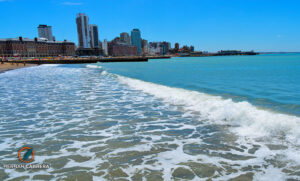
(8, 66)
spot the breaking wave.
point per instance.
(244, 118)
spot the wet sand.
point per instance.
(8, 66)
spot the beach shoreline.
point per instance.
(12, 66)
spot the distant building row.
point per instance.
(88, 40)
(124, 45)
(37, 47)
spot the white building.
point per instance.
(45, 32)
(83, 31)
(105, 47)
(154, 50)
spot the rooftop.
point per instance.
(39, 40)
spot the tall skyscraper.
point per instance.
(125, 38)
(177, 46)
(94, 36)
(82, 22)
(136, 40)
(45, 32)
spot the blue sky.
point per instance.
(211, 25)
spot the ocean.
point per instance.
(200, 118)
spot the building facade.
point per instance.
(177, 46)
(125, 38)
(24, 47)
(82, 22)
(165, 47)
(118, 48)
(136, 40)
(153, 50)
(159, 48)
(105, 48)
(45, 32)
(144, 47)
(94, 36)
(121, 50)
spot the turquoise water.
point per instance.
(217, 118)
(270, 81)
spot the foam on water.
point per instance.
(95, 66)
(88, 121)
(250, 120)
(253, 125)
(50, 65)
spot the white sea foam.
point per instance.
(246, 119)
(93, 66)
(51, 65)
(71, 130)
(270, 173)
(104, 73)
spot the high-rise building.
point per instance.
(177, 46)
(45, 32)
(125, 38)
(82, 22)
(136, 40)
(94, 36)
(105, 47)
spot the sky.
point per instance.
(209, 25)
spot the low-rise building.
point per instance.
(37, 47)
(121, 49)
(116, 47)
(145, 48)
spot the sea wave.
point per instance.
(93, 66)
(244, 118)
(51, 65)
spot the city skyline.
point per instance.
(220, 25)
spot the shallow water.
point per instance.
(115, 121)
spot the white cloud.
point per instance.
(71, 3)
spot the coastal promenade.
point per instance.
(78, 60)
(11, 64)
(52, 60)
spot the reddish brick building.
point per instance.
(35, 48)
(117, 49)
